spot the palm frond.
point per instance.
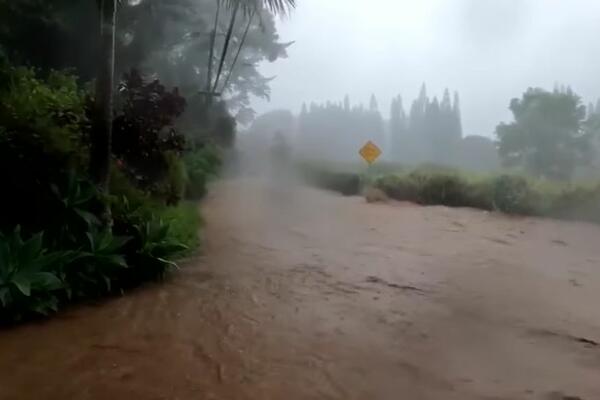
(282, 7)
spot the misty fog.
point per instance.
(300, 199)
(490, 51)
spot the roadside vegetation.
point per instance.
(106, 148)
(547, 157)
(54, 246)
(510, 193)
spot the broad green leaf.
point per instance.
(4, 258)
(116, 260)
(22, 284)
(119, 241)
(167, 262)
(91, 240)
(167, 249)
(46, 281)
(88, 217)
(4, 296)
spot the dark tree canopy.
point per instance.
(167, 38)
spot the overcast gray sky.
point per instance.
(488, 50)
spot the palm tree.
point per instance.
(275, 6)
(101, 135)
(211, 53)
(249, 8)
(236, 8)
(239, 50)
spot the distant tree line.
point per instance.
(431, 132)
(553, 135)
(335, 130)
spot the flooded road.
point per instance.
(304, 294)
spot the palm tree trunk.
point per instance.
(239, 50)
(100, 146)
(211, 54)
(226, 44)
(103, 104)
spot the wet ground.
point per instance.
(304, 294)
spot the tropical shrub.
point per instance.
(96, 267)
(144, 129)
(579, 202)
(513, 194)
(43, 129)
(29, 278)
(201, 165)
(346, 183)
(172, 187)
(439, 188)
(154, 245)
(60, 251)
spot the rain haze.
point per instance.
(488, 50)
(300, 199)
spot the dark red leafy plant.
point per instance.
(144, 129)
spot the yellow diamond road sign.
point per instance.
(370, 152)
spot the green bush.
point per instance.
(201, 165)
(513, 194)
(171, 188)
(60, 251)
(96, 267)
(507, 193)
(440, 188)
(479, 194)
(154, 246)
(431, 187)
(399, 187)
(29, 278)
(145, 138)
(184, 221)
(121, 187)
(73, 210)
(43, 133)
(576, 202)
(346, 183)
(80, 259)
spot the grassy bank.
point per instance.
(430, 185)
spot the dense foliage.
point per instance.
(512, 194)
(54, 247)
(95, 179)
(201, 165)
(547, 136)
(43, 127)
(145, 138)
(170, 39)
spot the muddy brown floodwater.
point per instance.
(303, 294)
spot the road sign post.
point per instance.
(370, 153)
